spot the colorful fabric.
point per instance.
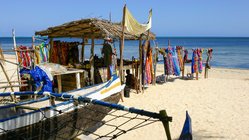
(199, 53)
(148, 72)
(179, 55)
(169, 61)
(194, 64)
(41, 53)
(150, 61)
(24, 57)
(175, 62)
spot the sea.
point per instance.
(228, 52)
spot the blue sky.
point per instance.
(170, 17)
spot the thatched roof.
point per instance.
(86, 28)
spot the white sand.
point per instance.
(218, 106)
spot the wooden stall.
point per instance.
(92, 29)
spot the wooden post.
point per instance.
(77, 75)
(206, 72)
(83, 50)
(59, 83)
(92, 58)
(206, 65)
(51, 49)
(140, 63)
(183, 68)
(165, 121)
(155, 64)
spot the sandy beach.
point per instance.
(218, 105)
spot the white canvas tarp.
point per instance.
(133, 26)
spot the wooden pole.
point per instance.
(165, 120)
(83, 50)
(92, 58)
(122, 47)
(206, 72)
(18, 69)
(140, 63)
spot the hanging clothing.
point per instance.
(41, 53)
(169, 61)
(54, 52)
(24, 57)
(148, 72)
(194, 64)
(179, 55)
(199, 53)
(175, 62)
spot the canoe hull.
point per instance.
(65, 126)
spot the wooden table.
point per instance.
(69, 71)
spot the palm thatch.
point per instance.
(90, 28)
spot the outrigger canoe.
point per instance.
(37, 119)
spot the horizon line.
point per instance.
(157, 36)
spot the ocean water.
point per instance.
(229, 52)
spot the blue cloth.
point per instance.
(187, 129)
(39, 77)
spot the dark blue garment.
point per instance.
(39, 77)
(187, 129)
